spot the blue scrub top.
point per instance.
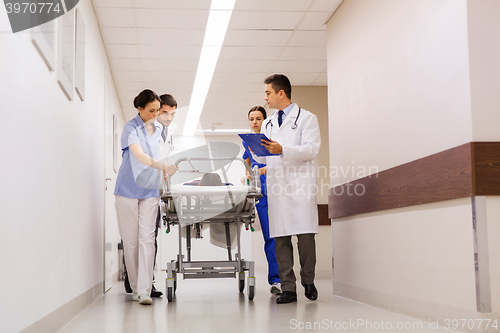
(136, 180)
(263, 178)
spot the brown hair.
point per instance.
(144, 98)
(258, 108)
(280, 82)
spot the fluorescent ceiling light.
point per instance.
(218, 21)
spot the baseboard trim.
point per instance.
(422, 310)
(57, 319)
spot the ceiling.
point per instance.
(156, 44)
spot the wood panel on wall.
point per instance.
(323, 215)
(464, 171)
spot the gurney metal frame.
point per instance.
(243, 212)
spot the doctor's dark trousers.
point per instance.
(307, 257)
(269, 244)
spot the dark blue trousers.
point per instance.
(269, 245)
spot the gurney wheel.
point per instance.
(170, 293)
(242, 282)
(251, 292)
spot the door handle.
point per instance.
(107, 183)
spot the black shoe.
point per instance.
(154, 292)
(311, 291)
(287, 297)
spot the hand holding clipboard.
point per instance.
(256, 140)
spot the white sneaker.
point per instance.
(276, 288)
(135, 297)
(145, 299)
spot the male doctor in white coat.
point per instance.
(168, 109)
(291, 185)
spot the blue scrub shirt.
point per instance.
(136, 180)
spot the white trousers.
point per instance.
(137, 223)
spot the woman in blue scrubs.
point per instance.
(136, 193)
(256, 116)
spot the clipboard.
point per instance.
(253, 140)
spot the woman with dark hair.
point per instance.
(136, 193)
(256, 116)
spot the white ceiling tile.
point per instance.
(170, 52)
(265, 20)
(224, 115)
(189, 65)
(249, 53)
(169, 87)
(172, 18)
(180, 96)
(256, 96)
(247, 66)
(113, 3)
(256, 38)
(217, 105)
(127, 75)
(314, 21)
(239, 77)
(120, 51)
(322, 80)
(303, 53)
(174, 4)
(300, 79)
(127, 96)
(275, 5)
(231, 87)
(169, 77)
(245, 105)
(162, 54)
(325, 5)
(120, 35)
(125, 64)
(308, 38)
(116, 17)
(130, 86)
(171, 36)
(299, 66)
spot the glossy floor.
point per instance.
(215, 305)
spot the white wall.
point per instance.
(408, 79)
(52, 179)
(484, 51)
(398, 81)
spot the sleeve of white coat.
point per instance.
(310, 143)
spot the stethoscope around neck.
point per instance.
(294, 125)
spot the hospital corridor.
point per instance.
(250, 166)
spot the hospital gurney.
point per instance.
(191, 206)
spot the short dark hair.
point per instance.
(144, 98)
(258, 108)
(167, 99)
(280, 82)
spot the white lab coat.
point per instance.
(166, 146)
(291, 177)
